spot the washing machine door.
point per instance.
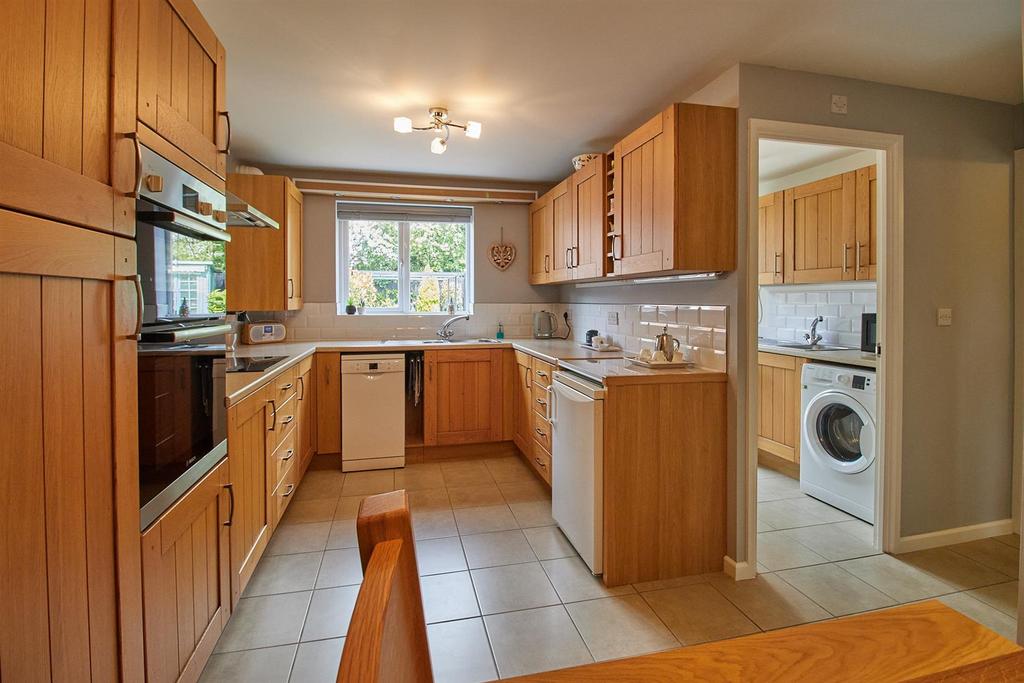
(839, 432)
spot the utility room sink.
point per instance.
(811, 347)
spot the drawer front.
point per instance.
(286, 384)
(305, 365)
(542, 431)
(539, 398)
(283, 457)
(284, 493)
(541, 461)
(524, 359)
(283, 422)
(542, 372)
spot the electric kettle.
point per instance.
(543, 325)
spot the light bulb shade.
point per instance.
(438, 146)
(403, 124)
(473, 129)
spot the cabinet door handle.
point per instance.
(540, 431)
(777, 257)
(288, 455)
(291, 288)
(273, 413)
(539, 463)
(231, 504)
(140, 304)
(287, 420)
(576, 257)
(846, 260)
(529, 378)
(856, 258)
(568, 257)
(291, 487)
(302, 388)
(547, 263)
(286, 387)
(616, 242)
(137, 189)
(542, 401)
(541, 373)
(227, 145)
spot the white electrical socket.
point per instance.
(613, 318)
(944, 317)
(838, 105)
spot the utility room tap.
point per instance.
(813, 337)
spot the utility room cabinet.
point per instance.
(182, 99)
(770, 239)
(186, 580)
(675, 193)
(56, 115)
(778, 423)
(265, 265)
(462, 397)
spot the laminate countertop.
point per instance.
(841, 357)
(238, 385)
(619, 371)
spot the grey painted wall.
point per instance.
(957, 224)
(319, 244)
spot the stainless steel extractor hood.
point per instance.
(242, 214)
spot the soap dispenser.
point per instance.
(501, 332)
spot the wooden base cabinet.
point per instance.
(250, 431)
(462, 397)
(531, 397)
(306, 398)
(778, 424)
(187, 580)
(70, 574)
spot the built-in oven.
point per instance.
(180, 243)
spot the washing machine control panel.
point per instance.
(843, 377)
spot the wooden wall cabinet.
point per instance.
(249, 434)
(829, 230)
(264, 265)
(778, 424)
(541, 240)
(770, 254)
(590, 219)
(187, 580)
(71, 592)
(182, 99)
(56, 115)
(462, 397)
(675, 193)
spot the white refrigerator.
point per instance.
(577, 464)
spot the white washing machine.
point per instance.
(837, 437)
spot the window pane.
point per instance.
(373, 245)
(437, 259)
(373, 289)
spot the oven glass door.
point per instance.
(182, 276)
(181, 414)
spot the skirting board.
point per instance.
(963, 534)
(740, 571)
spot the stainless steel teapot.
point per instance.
(667, 344)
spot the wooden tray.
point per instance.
(662, 366)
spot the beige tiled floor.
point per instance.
(505, 594)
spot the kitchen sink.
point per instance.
(811, 347)
(413, 342)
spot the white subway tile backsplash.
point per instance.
(787, 311)
(840, 297)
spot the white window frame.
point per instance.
(404, 274)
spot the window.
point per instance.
(405, 259)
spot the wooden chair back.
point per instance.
(387, 636)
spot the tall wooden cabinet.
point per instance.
(675, 192)
(70, 597)
(56, 121)
(187, 580)
(462, 397)
(264, 265)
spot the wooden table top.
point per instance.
(898, 644)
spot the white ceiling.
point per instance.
(316, 83)
(778, 158)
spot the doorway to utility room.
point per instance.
(818, 457)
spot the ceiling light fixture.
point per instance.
(440, 126)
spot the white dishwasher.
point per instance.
(577, 464)
(372, 412)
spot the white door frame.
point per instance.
(890, 324)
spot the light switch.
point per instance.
(838, 105)
(613, 318)
(944, 317)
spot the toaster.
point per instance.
(263, 333)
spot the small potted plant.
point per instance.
(350, 309)
(361, 307)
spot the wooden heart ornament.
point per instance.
(502, 253)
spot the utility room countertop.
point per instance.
(842, 357)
